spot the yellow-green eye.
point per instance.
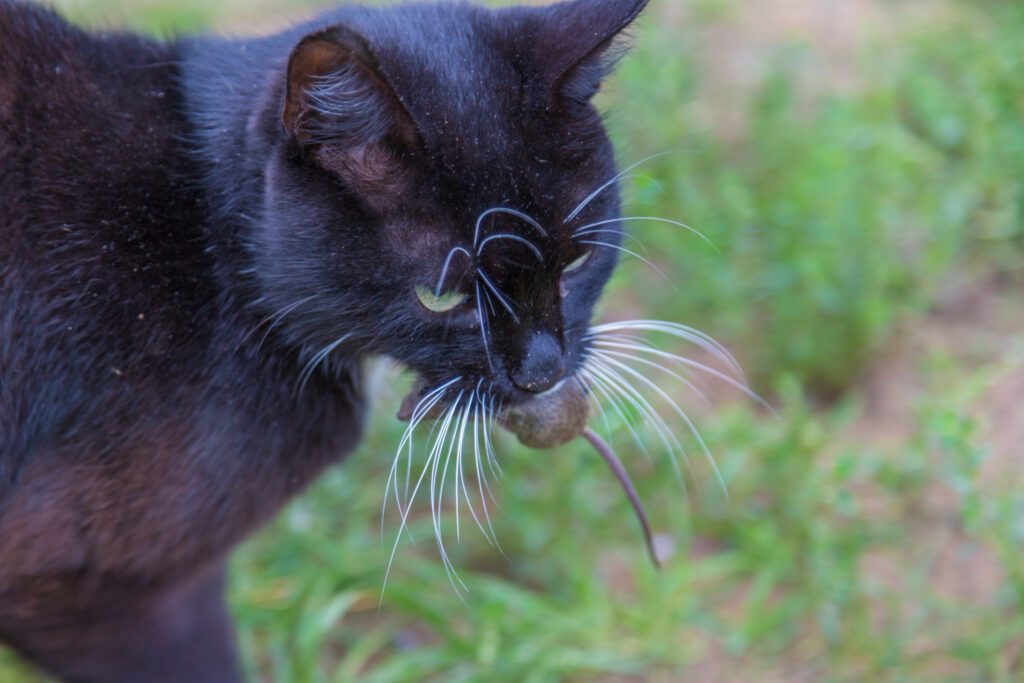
(439, 304)
(578, 263)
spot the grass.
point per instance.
(843, 222)
(838, 218)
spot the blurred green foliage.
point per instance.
(835, 218)
(840, 218)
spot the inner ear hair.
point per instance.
(335, 92)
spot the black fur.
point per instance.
(184, 226)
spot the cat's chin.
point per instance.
(545, 421)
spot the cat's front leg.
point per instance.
(182, 634)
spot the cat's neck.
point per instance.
(228, 86)
(233, 92)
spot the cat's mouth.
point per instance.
(546, 421)
(614, 375)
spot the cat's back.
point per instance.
(80, 115)
(101, 256)
(66, 93)
(47, 70)
(21, 28)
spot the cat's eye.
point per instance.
(447, 301)
(577, 264)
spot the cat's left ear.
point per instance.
(336, 94)
(581, 42)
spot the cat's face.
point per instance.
(442, 191)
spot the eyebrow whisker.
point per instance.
(594, 195)
(447, 265)
(516, 238)
(512, 212)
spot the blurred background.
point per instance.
(859, 165)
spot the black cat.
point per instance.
(201, 242)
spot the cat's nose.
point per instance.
(542, 366)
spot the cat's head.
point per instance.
(442, 190)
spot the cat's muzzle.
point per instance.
(546, 421)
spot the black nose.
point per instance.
(542, 366)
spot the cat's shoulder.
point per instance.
(29, 31)
(33, 40)
(38, 46)
(18, 15)
(20, 24)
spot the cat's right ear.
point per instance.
(336, 94)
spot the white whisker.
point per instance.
(583, 230)
(431, 459)
(476, 452)
(632, 253)
(739, 386)
(608, 393)
(678, 411)
(605, 353)
(274, 321)
(479, 424)
(626, 235)
(483, 326)
(458, 439)
(661, 428)
(596, 193)
(489, 300)
(585, 383)
(436, 490)
(421, 410)
(307, 372)
(613, 384)
(492, 460)
(512, 212)
(447, 264)
(705, 341)
(515, 238)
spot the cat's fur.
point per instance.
(184, 226)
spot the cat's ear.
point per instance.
(336, 95)
(582, 41)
